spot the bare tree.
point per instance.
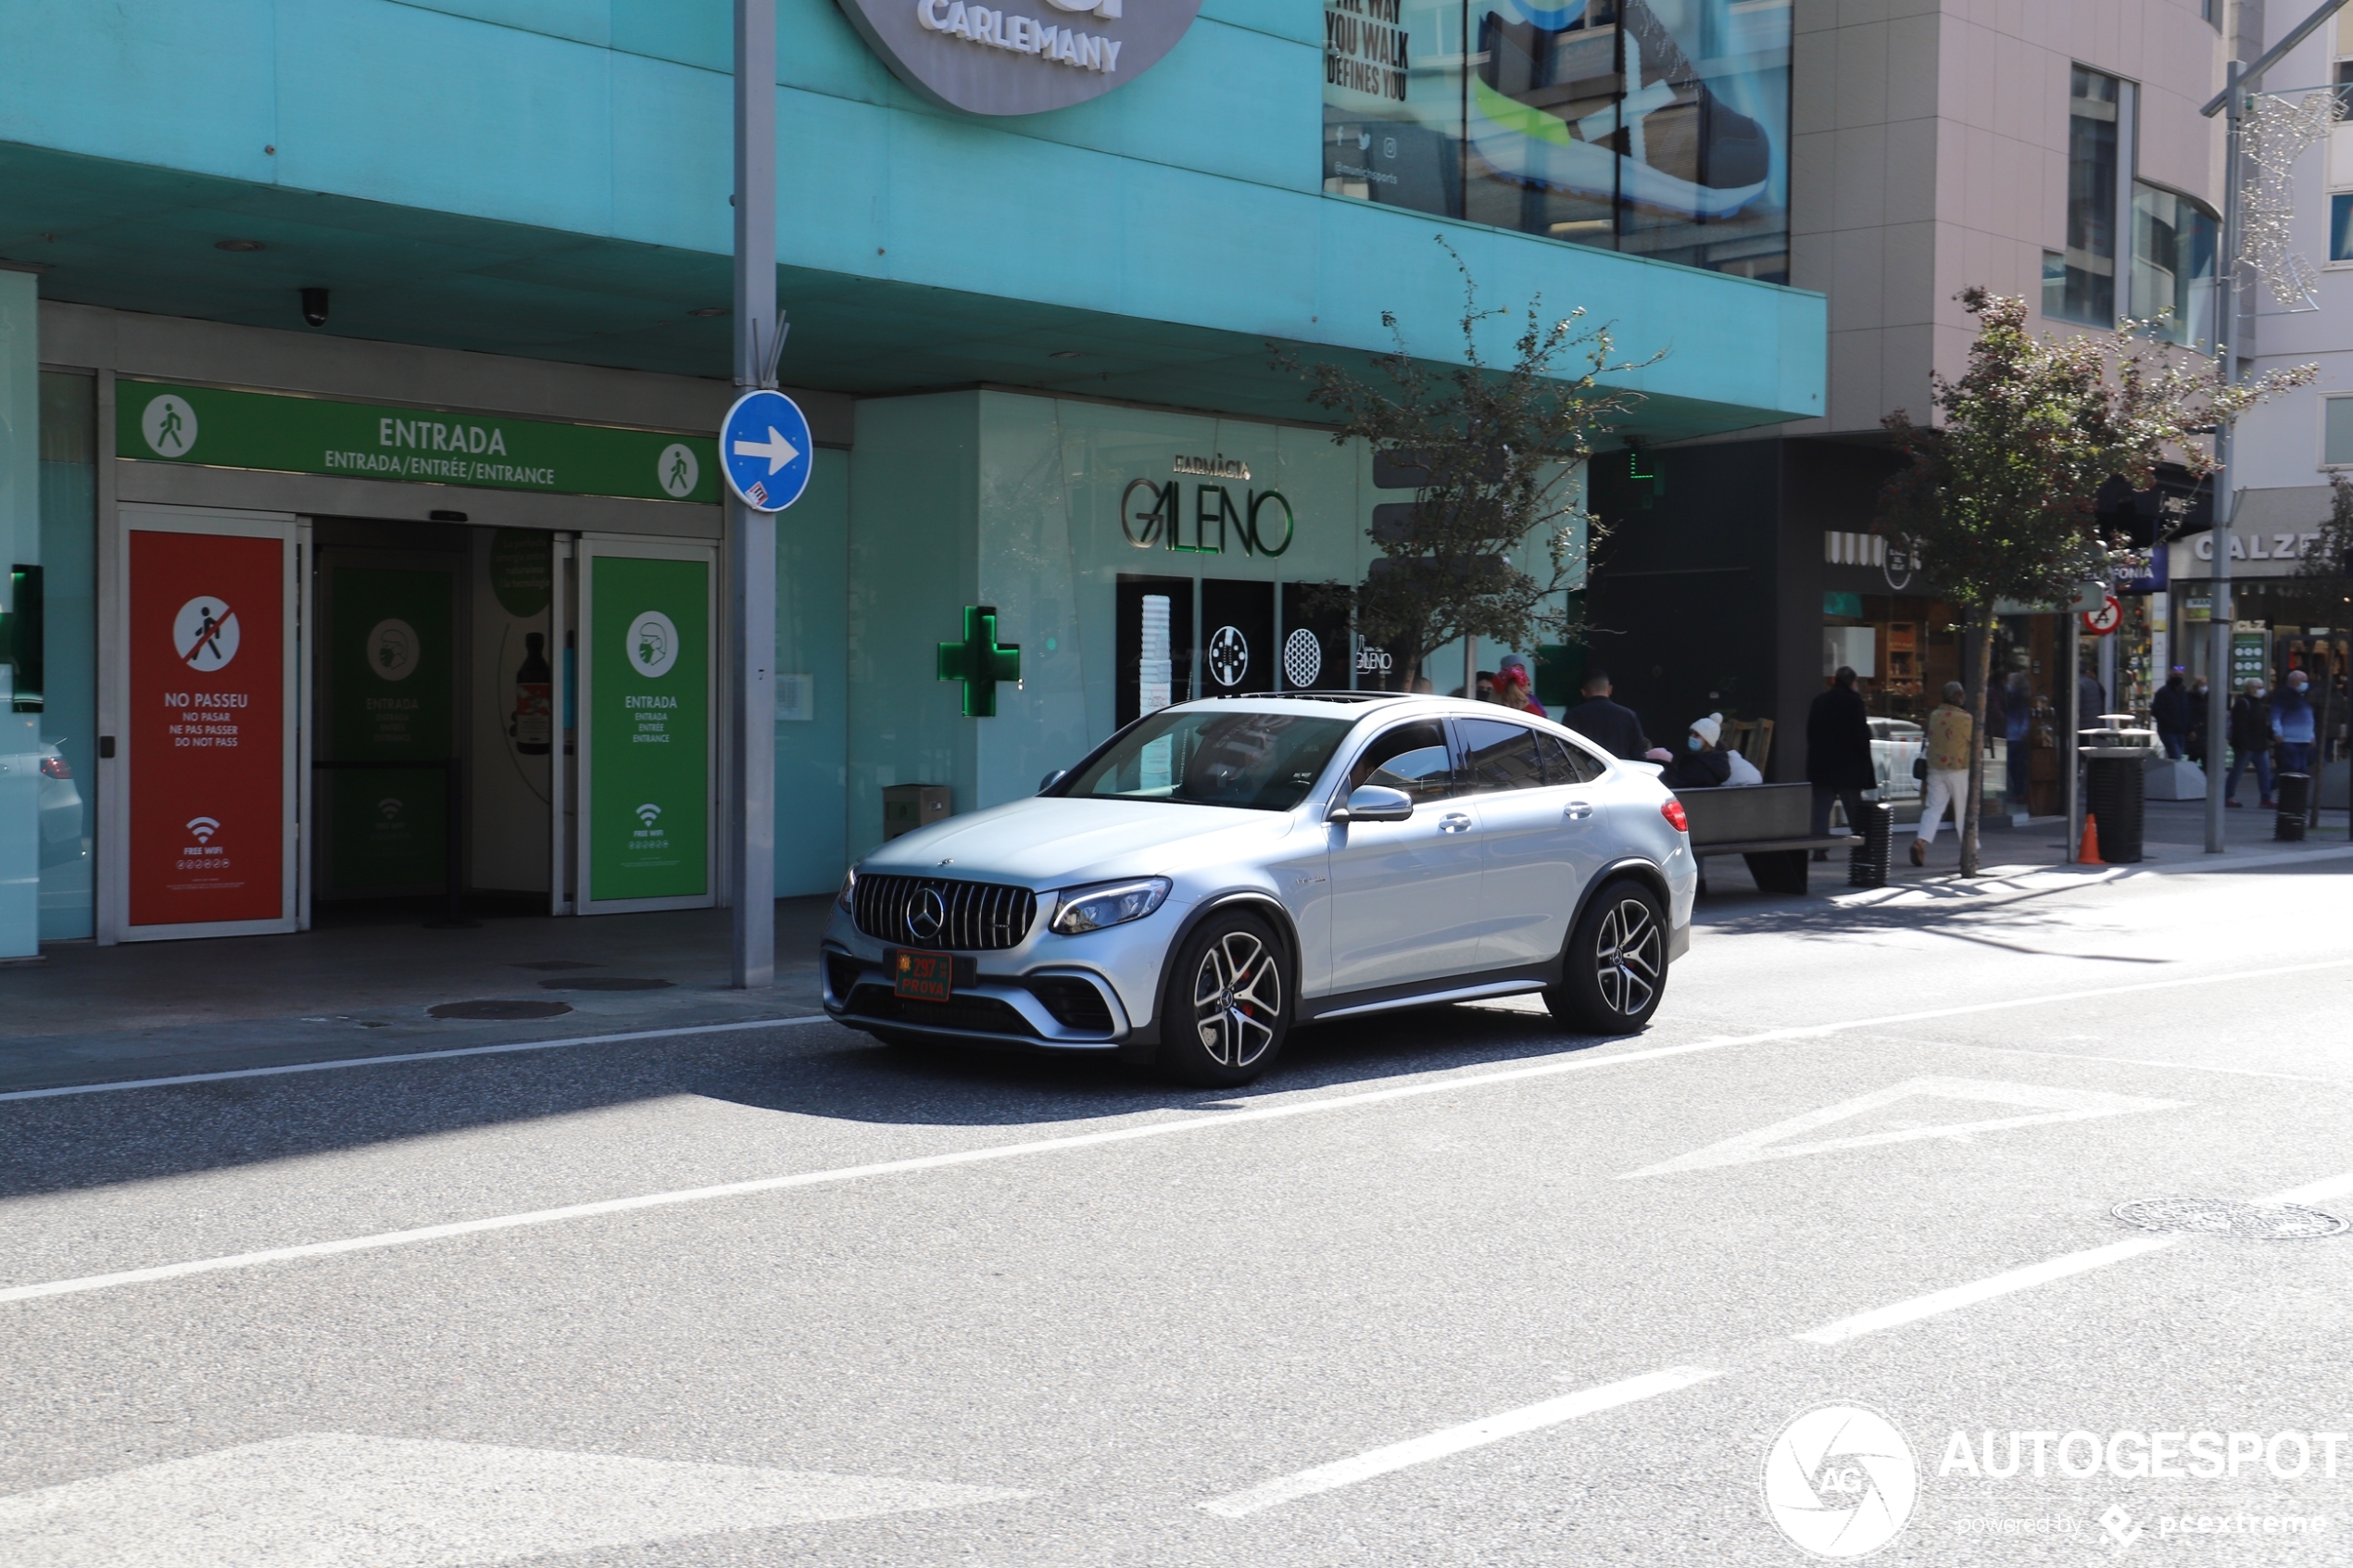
(1496, 454)
(1997, 499)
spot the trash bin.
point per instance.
(2115, 781)
(1867, 862)
(2294, 792)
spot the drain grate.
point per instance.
(499, 1008)
(2219, 1216)
(605, 983)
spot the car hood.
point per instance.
(1051, 842)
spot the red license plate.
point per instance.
(922, 977)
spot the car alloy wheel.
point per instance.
(1613, 970)
(1629, 960)
(1237, 998)
(1226, 1014)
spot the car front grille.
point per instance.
(969, 916)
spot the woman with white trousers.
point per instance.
(1949, 734)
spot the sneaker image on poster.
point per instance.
(1544, 110)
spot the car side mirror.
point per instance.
(1374, 803)
(1051, 780)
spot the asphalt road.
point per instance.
(1450, 1287)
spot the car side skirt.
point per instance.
(1515, 982)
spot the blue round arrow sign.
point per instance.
(765, 446)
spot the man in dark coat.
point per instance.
(1838, 754)
(1614, 729)
(2170, 708)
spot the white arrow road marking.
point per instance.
(2049, 1105)
(776, 449)
(327, 1500)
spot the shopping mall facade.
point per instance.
(360, 365)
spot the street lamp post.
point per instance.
(2240, 83)
(751, 534)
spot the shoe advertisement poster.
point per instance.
(1659, 128)
(389, 658)
(207, 728)
(649, 729)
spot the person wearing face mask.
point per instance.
(2293, 723)
(2250, 739)
(1701, 766)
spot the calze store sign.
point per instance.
(218, 428)
(1023, 58)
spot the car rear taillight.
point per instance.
(54, 768)
(1672, 809)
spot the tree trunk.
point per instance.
(1975, 805)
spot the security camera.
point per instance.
(314, 306)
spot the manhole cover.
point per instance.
(552, 965)
(607, 983)
(499, 1008)
(2219, 1216)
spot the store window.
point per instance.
(2173, 240)
(2336, 431)
(56, 668)
(2078, 283)
(1654, 127)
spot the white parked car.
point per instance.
(1220, 871)
(1896, 745)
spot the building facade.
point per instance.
(361, 364)
(2051, 152)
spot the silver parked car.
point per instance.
(1220, 871)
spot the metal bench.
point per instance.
(1770, 826)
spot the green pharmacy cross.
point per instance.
(980, 661)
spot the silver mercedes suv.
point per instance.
(1221, 872)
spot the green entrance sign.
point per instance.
(389, 660)
(212, 427)
(648, 728)
(980, 661)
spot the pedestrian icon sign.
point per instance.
(169, 426)
(765, 446)
(205, 633)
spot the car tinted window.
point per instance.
(1259, 761)
(1566, 762)
(1412, 757)
(1499, 756)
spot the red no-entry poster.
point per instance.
(207, 728)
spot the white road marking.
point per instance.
(1289, 1107)
(2138, 1061)
(327, 1500)
(1768, 1142)
(415, 1056)
(1454, 1440)
(1968, 1295)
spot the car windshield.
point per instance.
(1258, 761)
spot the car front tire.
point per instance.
(1615, 970)
(1229, 1006)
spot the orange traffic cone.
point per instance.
(2088, 852)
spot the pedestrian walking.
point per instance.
(1514, 688)
(2199, 690)
(1615, 729)
(2091, 701)
(2294, 724)
(2018, 728)
(1838, 754)
(1950, 736)
(2250, 739)
(2171, 708)
(1701, 766)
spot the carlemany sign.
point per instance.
(991, 59)
(220, 428)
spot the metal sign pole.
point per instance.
(2218, 658)
(751, 536)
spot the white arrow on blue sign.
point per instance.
(764, 446)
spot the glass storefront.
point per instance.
(1659, 128)
(60, 589)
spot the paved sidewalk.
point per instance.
(366, 986)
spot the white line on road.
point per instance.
(415, 1056)
(1959, 1296)
(1454, 1440)
(1129, 1134)
(2140, 1061)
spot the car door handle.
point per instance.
(1454, 822)
(1577, 810)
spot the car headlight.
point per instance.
(1108, 903)
(849, 893)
